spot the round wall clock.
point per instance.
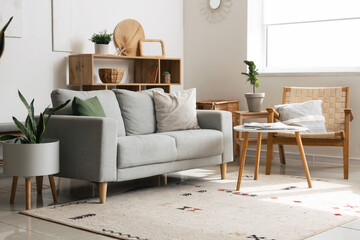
(215, 10)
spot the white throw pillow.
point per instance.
(176, 111)
(307, 114)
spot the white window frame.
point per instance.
(257, 47)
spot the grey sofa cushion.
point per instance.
(176, 111)
(107, 99)
(196, 143)
(138, 111)
(147, 149)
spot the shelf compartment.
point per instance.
(147, 71)
(173, 66)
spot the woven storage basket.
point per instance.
(111, 75)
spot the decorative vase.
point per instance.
(27, 160)
(101, 48)
(254, 101)
(167, 78)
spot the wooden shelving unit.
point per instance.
(146, 72)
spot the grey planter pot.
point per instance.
(28, 160)
(254, 101)
(101, 48)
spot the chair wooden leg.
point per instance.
(346, 160)
(282, 154)
(242, 162)
(53, 188)
(303, 158)
(28, 193)
(257, 160)
(13, 189)
(102, 191)
(223, 168)
(269, 153)
(39, 184)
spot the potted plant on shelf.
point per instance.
(30, 154)
(254, 100)
(101, 41)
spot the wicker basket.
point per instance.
(111, 75)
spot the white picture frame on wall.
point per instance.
(8, 9)
(61, 25)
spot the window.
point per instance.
(305, 35)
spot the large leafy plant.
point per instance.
(101, 37)
(252, 74)
(33, 131)
(2, 37)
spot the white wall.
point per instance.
(30, 65)
(214, 52)
(214, 55)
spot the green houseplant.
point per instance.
(33, 131)
(2, 37)
(254, 100)
(101, 41)
(31, 154)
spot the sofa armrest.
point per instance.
(222, 121)
(87, 146)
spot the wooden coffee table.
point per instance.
(247, 131)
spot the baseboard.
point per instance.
(311, 158)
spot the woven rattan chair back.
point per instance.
(334, 101)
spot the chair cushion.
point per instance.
(107, 99)
(138, 150)
(176, 111)
(197, 143)
(137, 110)
(88, 107)
(307, 114)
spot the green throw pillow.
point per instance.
(88, 107)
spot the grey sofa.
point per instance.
(108, 149)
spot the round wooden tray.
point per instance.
(127, 34)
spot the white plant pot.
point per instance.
(28, 160)
(101, 48)
(254, 101)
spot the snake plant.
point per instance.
(2, 37)
(253, 72)
(33, 131)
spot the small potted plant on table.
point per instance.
(254, 100)
(31, 155)
(101, 41)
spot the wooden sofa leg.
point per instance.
(282, 154)
(102, 191)
(223, 170)
(164, 179)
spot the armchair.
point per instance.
(335, 108)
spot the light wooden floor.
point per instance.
(16, 226)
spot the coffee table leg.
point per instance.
(303, 158)
(13, 189)
(242, 162)
(257, 161)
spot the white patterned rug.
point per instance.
(274, 207)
